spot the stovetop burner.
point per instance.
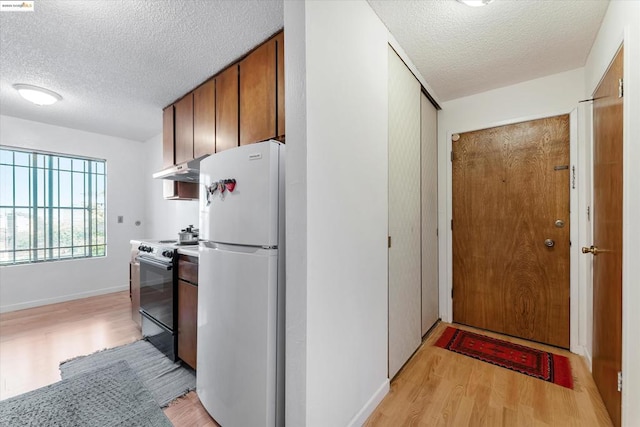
(162, 250)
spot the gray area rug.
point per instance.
(165, 379)
(106, 397)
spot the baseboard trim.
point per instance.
(370, 406)
(63, 298)
(587, 357)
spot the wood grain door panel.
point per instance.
(258, 94)
(607, 228)
(227, 109)
(204, 119)
(168, 147)
(184, 128)
(280, 128)
(187, 323)
(507, 194)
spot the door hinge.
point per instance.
(619, 380)
(452, 224)
(389, 242)
(620, 88)
(452, 156)
(452, 292)
(588, 213)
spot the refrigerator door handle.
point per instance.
(226, 247)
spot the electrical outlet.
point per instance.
(120, 219)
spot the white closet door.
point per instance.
(430, 312)
(404, 214)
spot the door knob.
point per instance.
(549, 243)
(590, 250)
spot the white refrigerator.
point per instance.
(240, 371)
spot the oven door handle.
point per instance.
(155, 263)
(155, 321)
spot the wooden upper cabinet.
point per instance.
(184, 128)
(280, 82)
(227, 109)
(204, 119)
(258, 94)
(168, 153)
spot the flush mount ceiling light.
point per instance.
(475, 3)
(37, 95)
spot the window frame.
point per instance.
(87, 213)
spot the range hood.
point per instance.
(185, 172)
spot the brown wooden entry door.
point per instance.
(607, 238)
(510, 253)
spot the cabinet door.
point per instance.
(429, 214)
(188, 269)
(227, 109)
(280, 88)
(135, 291)
(187, 322)
(184, 128)
(204, 119)
(168, 153)
(404, 214)
(179, 190)
(258, 94)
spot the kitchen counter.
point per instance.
(188, 250)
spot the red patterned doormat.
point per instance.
(526, 360)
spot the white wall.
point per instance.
(622, 21)
(340, 155)
(165, 218)
(296, 214)
(23, 286)
(543, 97)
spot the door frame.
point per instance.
(630, 227)
(629, 36)
(446, 276)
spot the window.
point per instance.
(52, 207)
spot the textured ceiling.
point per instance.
(462, 50)
(116, 63)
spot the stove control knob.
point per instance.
(140, 248)
(168, 254)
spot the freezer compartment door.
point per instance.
(239, 195)
(237, 323)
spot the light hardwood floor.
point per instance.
(441, 388)
(33, 342)
(435, 388)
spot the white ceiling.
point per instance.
(462, 50)
(117, 63)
